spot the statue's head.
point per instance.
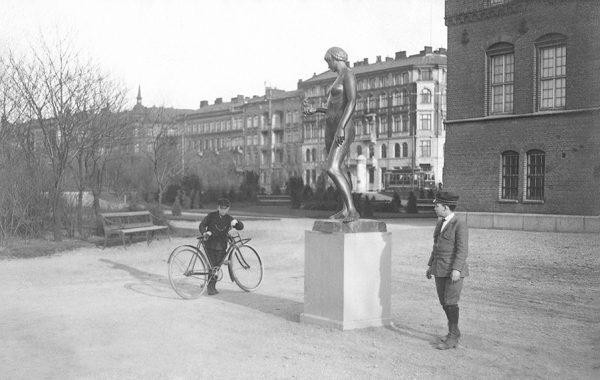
(337, 53)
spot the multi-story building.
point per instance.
(399, 117)
(261, 130)
(523, 125)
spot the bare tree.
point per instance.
(58, 92)
(162, 148)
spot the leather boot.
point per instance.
(452, 340)
(212, 290)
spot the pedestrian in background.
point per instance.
(448, 262)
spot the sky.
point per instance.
(183, 51)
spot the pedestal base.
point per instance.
(347, 275)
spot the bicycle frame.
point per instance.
(234, 241)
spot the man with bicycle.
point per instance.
(215, 228)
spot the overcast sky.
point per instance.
(184, 51)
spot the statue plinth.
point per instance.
(347, 274)
(360, 225)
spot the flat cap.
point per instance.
(446, 198)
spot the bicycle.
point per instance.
(190, 270)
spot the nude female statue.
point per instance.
(339, 131)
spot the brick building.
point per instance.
(523, 124)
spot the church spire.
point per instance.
(139, 97)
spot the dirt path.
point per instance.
(530, 309)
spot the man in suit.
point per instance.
(448, 262)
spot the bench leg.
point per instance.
(123, 240)
(105, 241)
(149, 236)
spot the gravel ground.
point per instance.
(530, 309)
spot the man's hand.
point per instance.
(455, 275)
(207, 234)
(428, 273)
(234, 222)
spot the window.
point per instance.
(510, 175)
(396, 99)
(308, 155)
(383, 151)
(535, 175)
(404, 149)
(314, 155)
(502, 67)
(425, 74)
(405, 78)
(397, 150)
(426, 96)
(552, 77)
(372, 102)
(383, 128)
(396, 123)
(425, 121)
(371, 175)
(425, 148)
(358, 150)
(405, 123)
(383, 101)
(404, 97)
(371, 151)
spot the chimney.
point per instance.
(203, 103)
(218, 100)
(400, 54)
(427, 50)
(365, 61)
(378, 59)
(357, 63)
(387, 59)
(441, 51)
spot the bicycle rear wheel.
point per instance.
(245, 267)
(188, 272)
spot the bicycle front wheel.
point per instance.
(245, 267)
(188, 272)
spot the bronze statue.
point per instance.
(339, 131)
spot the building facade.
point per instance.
(261, 132)
(400, 110)
(523, 125)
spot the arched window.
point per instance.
(371, 151)
(536, 171)
(426, 96)
(510, 175)
(404, 150)
(314, 155)
(372, 102)
(358, 150)
(383, 151)
(308, 155)
(397, 150)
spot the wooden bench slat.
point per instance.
(142, 229)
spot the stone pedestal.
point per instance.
(347, 274)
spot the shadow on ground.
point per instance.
(155, 285)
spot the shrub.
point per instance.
(295, 185)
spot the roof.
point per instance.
(414, 60)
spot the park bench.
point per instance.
(129, 223)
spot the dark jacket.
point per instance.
(219, 226)
(450, 249)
